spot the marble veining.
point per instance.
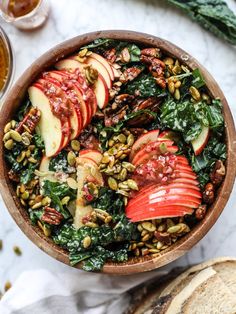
(69, 18)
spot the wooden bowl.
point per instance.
(139, 264)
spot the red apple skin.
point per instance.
(151, 136)
(60, 144)
(200, 143)
(66, 129)
(105, 64)
(93, 154)
(96, 64)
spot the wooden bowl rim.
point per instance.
(140, 264)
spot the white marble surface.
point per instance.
(72, 17)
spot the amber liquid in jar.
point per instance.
(4, 64)
(18, 8)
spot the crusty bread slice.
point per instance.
(213, 296)
(227, 272)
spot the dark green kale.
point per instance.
(144, 86)
(108, 242)
(60, 163)
(57, 191)
(214, 15)
(189, 118)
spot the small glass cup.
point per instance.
(11, 65)
(34, 19)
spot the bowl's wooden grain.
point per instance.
(20, 215)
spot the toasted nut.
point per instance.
(208, 194)
(174, 229)
(46, 201)
(145, 251)
(123, 174)
(25, 195)
(148, 226)
(72, 183)
(121, 138)
(71, 158)
(7, 286)
(21, 157)
(37, 205)
(112, 183)
(195, 93)
(168, 61)
(9, 144)
(87, 242)
(15, 136)
(177, 84)
(75, 145)
(7, 127)
(125, 55)
(171, 87)
(132, 184)
(17, 250)
(201, 212)
(65, 200)
(218, 173)
(130, 167)
(177, 94)
(130, 140)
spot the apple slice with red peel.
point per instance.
(200, 142)
(173, 211)
(101, 70)
(186, 181)
(95, 174)
(105, 63)
(183, 174)
(115, 72)
(52, 84)
(148, 137)
(93, 154)
(49, 125)
(100, 87)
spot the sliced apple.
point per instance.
(45, 173)
(105, 63)
(93, 154)
(100, 87)
(148, 137)
(50, 126)
(200, 142)
(115, 72)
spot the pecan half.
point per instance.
(125, 55)
(13, 176)
(201, 212)
(218, 173)
(51, 216)
(30, 121)
(208, 194)
(163, 237)
(87, 138)
(151, 52)
(130, 74)
(110, 55)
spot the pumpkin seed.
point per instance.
(169, 223)
(140, 244)
(37, 205)
(140, 227)
(65, 200)
(130, 140)
(112, 183)
(177, 94)
(174, 229)
(46, 201)
(75, 145)
(154, 251)
(72, 183)
(159, 245)
(163, 148)
(21, 156)
(124, 193)
(17, 250)
(105, 159)
(46, 231)
(171, 87)
(108, 219)
(28, 153)
(91, 224)
(22, 188)
(7, 127)
(25, 195)
(127, 165)
(132, 184)
(32, 160)
(146, 238)
(195, 93)
(111, 143)
(25, 139)
(123, 174)
(176, 70)
(6, 136)
(87, 242)
(137, 252)
(121, 138)
(177, 84)
(71, 158)
(168, 61)
(83, 52)
(148, 226)
(9, 144)
(15, 136)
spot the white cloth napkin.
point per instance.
(43, 292)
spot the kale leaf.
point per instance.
(144, 86)
(57, 191)
(213, 15)
(59, 162)
(189, 118)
